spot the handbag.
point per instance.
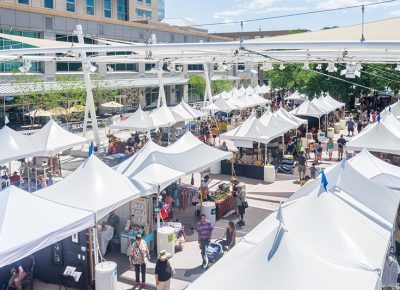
(192, 180)
(129, 249)
(245, 204)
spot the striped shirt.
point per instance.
(204, 230)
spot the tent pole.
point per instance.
(95, 246)
(158, 207)
(88, 86)
(207, 95)
(161, 92)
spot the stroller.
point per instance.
(214, 251)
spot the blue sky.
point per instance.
(209, 11)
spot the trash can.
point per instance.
(106, 276)
(342, 123)
(210, 210)
(330, 133)
(337, 128)
(269, 174)
(166, 240)
(321, 136)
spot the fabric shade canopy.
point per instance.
(308, 108)
(257, 89)
(286, 115)
(242, 90)
(163, 117)
(394, 109)
(44, 223)
(161, 166)
(39, 113)
(15, 145)
(248, 101)
(58, 111)
(193, 112)
(376, 170)
(95, 187)
(181, 114)
(265, 89)
(383, 136)
(324, 106)
(112, 105)
(138, 121)
(52, 139)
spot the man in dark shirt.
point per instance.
(341, 143)
(163, 271)
(301, 160)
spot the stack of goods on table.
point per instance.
(224, 201)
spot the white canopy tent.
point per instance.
(383, 136)
(249, 90)
(15, 145)
(52, 139)
(321, 104)
(112, 105)
(163, 117)
(138, 121)
(334, 103)
(221, 105)
(308, 108)
(193, 112)
(43, 223)
(161, 166)
(394, 109)
(257, 89)
(346, 245)
(296, 96)
(376, 170)
(248, 101)
(95, 187)
(265, 89)
(286, 115)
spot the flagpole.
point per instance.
(4, 110)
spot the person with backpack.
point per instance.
(350, 127)
(341, 144)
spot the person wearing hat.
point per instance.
(235, 190)
(163, 271)
(139, 255)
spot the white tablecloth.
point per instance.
(104, 237)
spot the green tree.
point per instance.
(198, 84)
(221, 85)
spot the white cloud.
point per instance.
(395, 13)
(248, 6)
(280, 9)
(333, 4)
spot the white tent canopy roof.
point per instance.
(163, 117)
(193, 112)
(112, 105)
(249, 90)
(376, 170)
(221, 105)
(296, 96)
(394, 109)
(138, 121)
(44, 223)
(383, 136)
(308, 108)
(15, 145)
(52, 139)
(265, 89)
(248, 101)
(95, 187)
(334, 103)
(161, 166)
(286, 115)
(321, 104)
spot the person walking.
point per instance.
(389, 273)
(318, 152)
(241, 205)
(139, 255)
(329, 147)
(204, 233)
(350, 127)
(301, 167)
(163, 271)
(341, 144)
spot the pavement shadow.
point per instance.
(194, 271)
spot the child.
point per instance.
(304, 180)
(313, 171)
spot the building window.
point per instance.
(195, 67)
(148, 14)
(74, 66)
(26, 2)
(90, 7)
(140, 1)
(178, 93)
(107, 8)
(122, 13)
(161, 10)
(240, 66)
(149, 66)
(12, 66)
(49, 4)
(122, 66)
(70, 5)
(192, 97)
(152, 96)
(148, 2)
(139, 12)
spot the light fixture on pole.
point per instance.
(266, 66)
(248, 67)
(351, 70)
(171, 67)
(87, 65)
(158, 67)
(306, 65)
(331, 67)
(26, 66)
(281, 66)
(109, 68)
(319, 66)
(397, 67)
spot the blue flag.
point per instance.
(324, 181)
(91, 147)
(378, 118)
